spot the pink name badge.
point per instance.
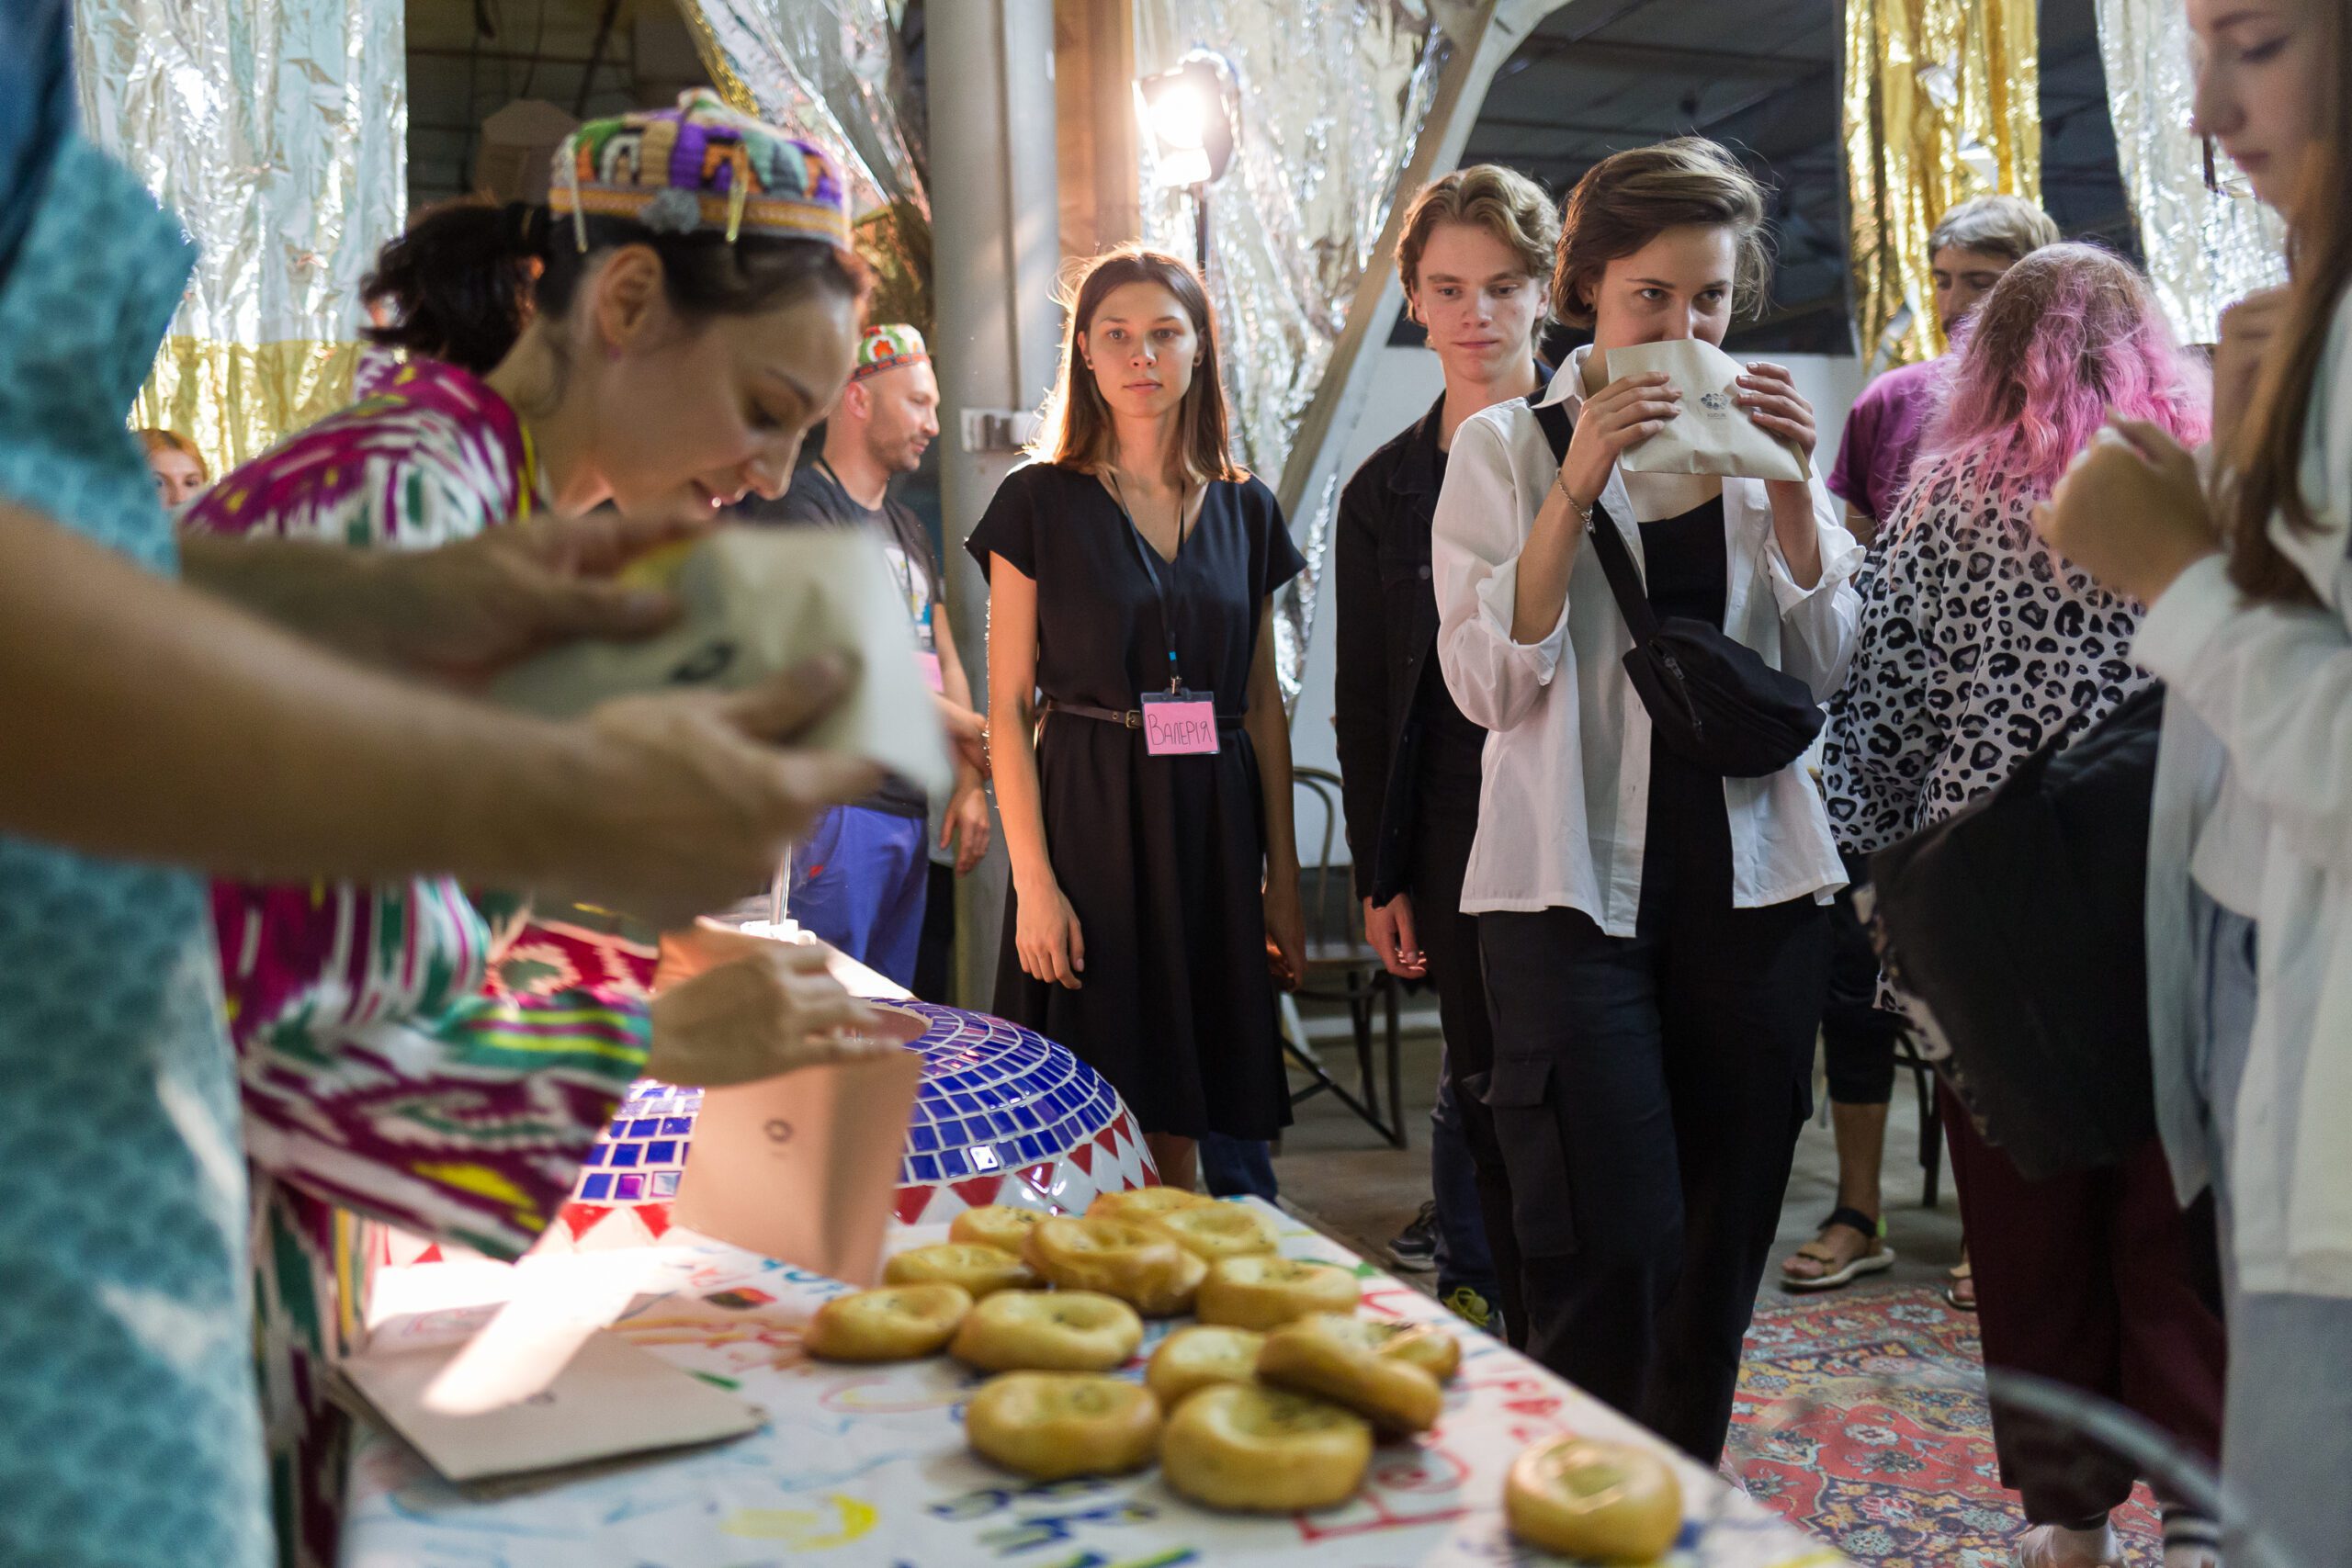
(928, 662)
(1180, 723)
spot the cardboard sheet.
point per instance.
(610, 1401)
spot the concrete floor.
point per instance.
(1341, 1174)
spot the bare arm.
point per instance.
(1544, 563)
(457, 609)
(1626, 413)
(966, 824)
(958, 688)
(1012, 720)
(148, 721)
(1269, 728)
(1046, 933)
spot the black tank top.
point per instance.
(1684, 565)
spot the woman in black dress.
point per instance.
(1142, 763)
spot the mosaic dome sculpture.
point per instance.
(1004, 1115)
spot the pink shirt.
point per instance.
(1882, 434)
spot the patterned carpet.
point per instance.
(1846, 1422)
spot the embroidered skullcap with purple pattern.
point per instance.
(700, 165)
(887, 346)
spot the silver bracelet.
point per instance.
(1584, 514)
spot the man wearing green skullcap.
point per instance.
(861, 879)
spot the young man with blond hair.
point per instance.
(1475, 254)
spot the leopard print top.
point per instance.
(1976, 647)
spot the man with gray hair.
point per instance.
(1972, 245)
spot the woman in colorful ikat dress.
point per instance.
(694, 313)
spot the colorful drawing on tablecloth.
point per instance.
(843, 1520)
(888, 1437)
(741, 1300)
(1040, 1514)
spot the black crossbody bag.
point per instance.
(2018, 927)
(1712, 699)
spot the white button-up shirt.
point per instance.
(1564, 800)
(2258, 726)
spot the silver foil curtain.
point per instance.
(277, 131)
(827, 68)
(2203, 250)
(1333, 95)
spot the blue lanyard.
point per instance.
(1146, 554)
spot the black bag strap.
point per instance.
(1616, 560)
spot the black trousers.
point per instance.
(1447, 822)
(1647, 1093)
(935, 956)
(1857, 1039)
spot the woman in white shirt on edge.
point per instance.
(2250, 623)
(1656, 938)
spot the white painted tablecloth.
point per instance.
(866, 1467)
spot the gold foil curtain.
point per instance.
(1941, 103)
(2203, 250)
(276, 130)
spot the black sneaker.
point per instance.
(1415, 1248)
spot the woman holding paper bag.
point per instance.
(1651, 914)
(693, 314)
(1130, 569)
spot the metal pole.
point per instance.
(1201, 229)
(996, 244)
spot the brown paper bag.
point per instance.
(1713, 435)
(804, 1167)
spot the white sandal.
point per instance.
(1874, 1257)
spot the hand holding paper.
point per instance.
(751, 1009)
(1733, 421)
(755, 602)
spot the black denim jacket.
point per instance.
(1385, 610)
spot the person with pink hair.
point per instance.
(1978, 647)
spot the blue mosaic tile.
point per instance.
(993, 1097)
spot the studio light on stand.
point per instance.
(1190, 114)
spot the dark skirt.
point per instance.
(1163, 859)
